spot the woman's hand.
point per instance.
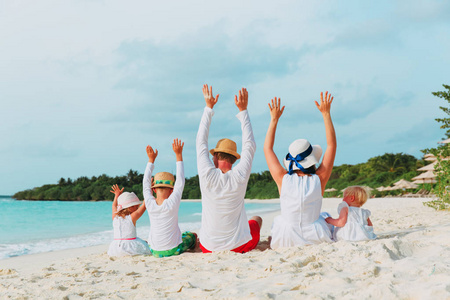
(116, 190)
(209, 97)
(325, 104)
(151, 154)
(275, 109)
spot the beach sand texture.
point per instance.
(409, 260)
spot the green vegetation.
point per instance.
(442, 168)
(377, 171)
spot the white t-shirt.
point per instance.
(224, 221)
(164, 231)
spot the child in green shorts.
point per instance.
(165, 238)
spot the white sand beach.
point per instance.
(409, 260)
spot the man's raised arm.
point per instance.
(248, 141)
(203, 161)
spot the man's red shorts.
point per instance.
(250, 245)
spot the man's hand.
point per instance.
(242, 101)
(178, 149)
(151, 154)
(209, 97)
(116, 190)
(325, 104)
(275, 109)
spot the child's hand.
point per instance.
(116, 190)
(178, 149)
(325, 105)
(242, 101)
(151, 154)
(209, 98)
(275, 109)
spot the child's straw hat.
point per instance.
(226, 146)
(126, 200)
(163, 179)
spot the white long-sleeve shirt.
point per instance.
(224, 221)
(164, 231)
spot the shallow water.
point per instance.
(28, 227)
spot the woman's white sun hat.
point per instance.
(126, 200)
(302, 153)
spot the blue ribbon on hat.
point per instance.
(298, 159)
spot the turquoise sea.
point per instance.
(28, 227)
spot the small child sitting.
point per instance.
(165, 238)
(353, 223)
(125, 212)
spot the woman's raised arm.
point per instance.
(324, 171)
(276, 169)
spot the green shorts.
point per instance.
(188, 241)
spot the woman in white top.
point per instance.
(301, 187)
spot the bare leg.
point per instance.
(257, 219)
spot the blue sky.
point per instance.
(86, 85)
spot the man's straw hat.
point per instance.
(226, 146)
(163, 179)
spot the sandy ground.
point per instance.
(409, 260)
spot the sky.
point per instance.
(85, 86)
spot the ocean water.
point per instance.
(28, 227)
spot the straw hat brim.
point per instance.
(162, 185)
(227, 151)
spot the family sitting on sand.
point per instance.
(224, 223)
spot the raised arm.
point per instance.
(180, 180)
(248, 141)
(147, 181)
(116, 191)
(276, 169)
(138, 213)
(326, 167)
(203, 162)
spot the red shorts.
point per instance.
(250, 245)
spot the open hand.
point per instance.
(151, 154)
(242, 101)
(209, 97)
(177, 146)
(325, 104)
(116, 190)
(275, 109)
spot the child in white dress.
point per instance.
(126, 210)
(165, 238)
(353, 223)
(301, 187)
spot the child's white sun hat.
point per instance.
(126, 200)
(302, 155)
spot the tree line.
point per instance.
(377, 171)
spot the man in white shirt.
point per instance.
(224, 221)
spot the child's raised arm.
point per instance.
(276, 169)
(178, 188)
(341, 221)
(116, 191)
(326, 167)
(177, 147)
(147, 181)
(138, 213)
